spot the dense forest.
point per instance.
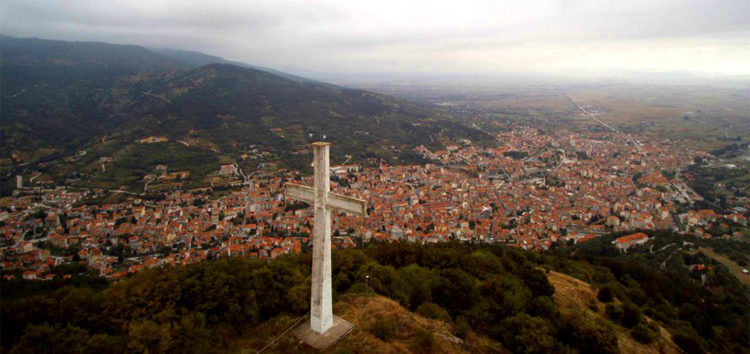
(500, 292)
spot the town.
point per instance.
(533, 190)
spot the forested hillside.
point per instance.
(503, 294)
(64, 98)
(59, 95)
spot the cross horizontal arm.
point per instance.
(337, 201)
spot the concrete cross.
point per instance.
(321, 308)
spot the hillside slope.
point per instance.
(412, 333)
(492, 297)
(237, 107)
(57, 95)
(63, 97)
(575, 297)
(198, 59)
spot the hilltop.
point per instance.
(382, 326)
(413, 333)
(433, 298)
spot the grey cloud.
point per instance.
(469, 36)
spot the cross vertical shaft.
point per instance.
(321, 308)
(324, 328)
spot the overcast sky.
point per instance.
(459, 36)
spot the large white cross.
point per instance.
(321, 307)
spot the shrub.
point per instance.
(36, 339)
(431, 310)
(383, 328)
(543, 306)
(605, 294)
(690, 344)
(614, 312)
(525, 334)
(645, 332)
(588, 336)
(462, 328)
(424, 342)
(537, 282)
(631, 316)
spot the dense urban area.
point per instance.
(534, 190)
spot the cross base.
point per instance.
(333, 335)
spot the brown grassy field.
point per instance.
(363, 310)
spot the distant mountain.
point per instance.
(196, 59)
(57, 96)
(192, 58)
(40, 61)
(60, 97)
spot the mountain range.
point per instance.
(64, 98)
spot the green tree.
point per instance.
(525, 334)
(47, 339)
(588, 336)
(455, 290)
(419, 280)
(507, 296)
(432, 310)
(537, 282)
(631, 315)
